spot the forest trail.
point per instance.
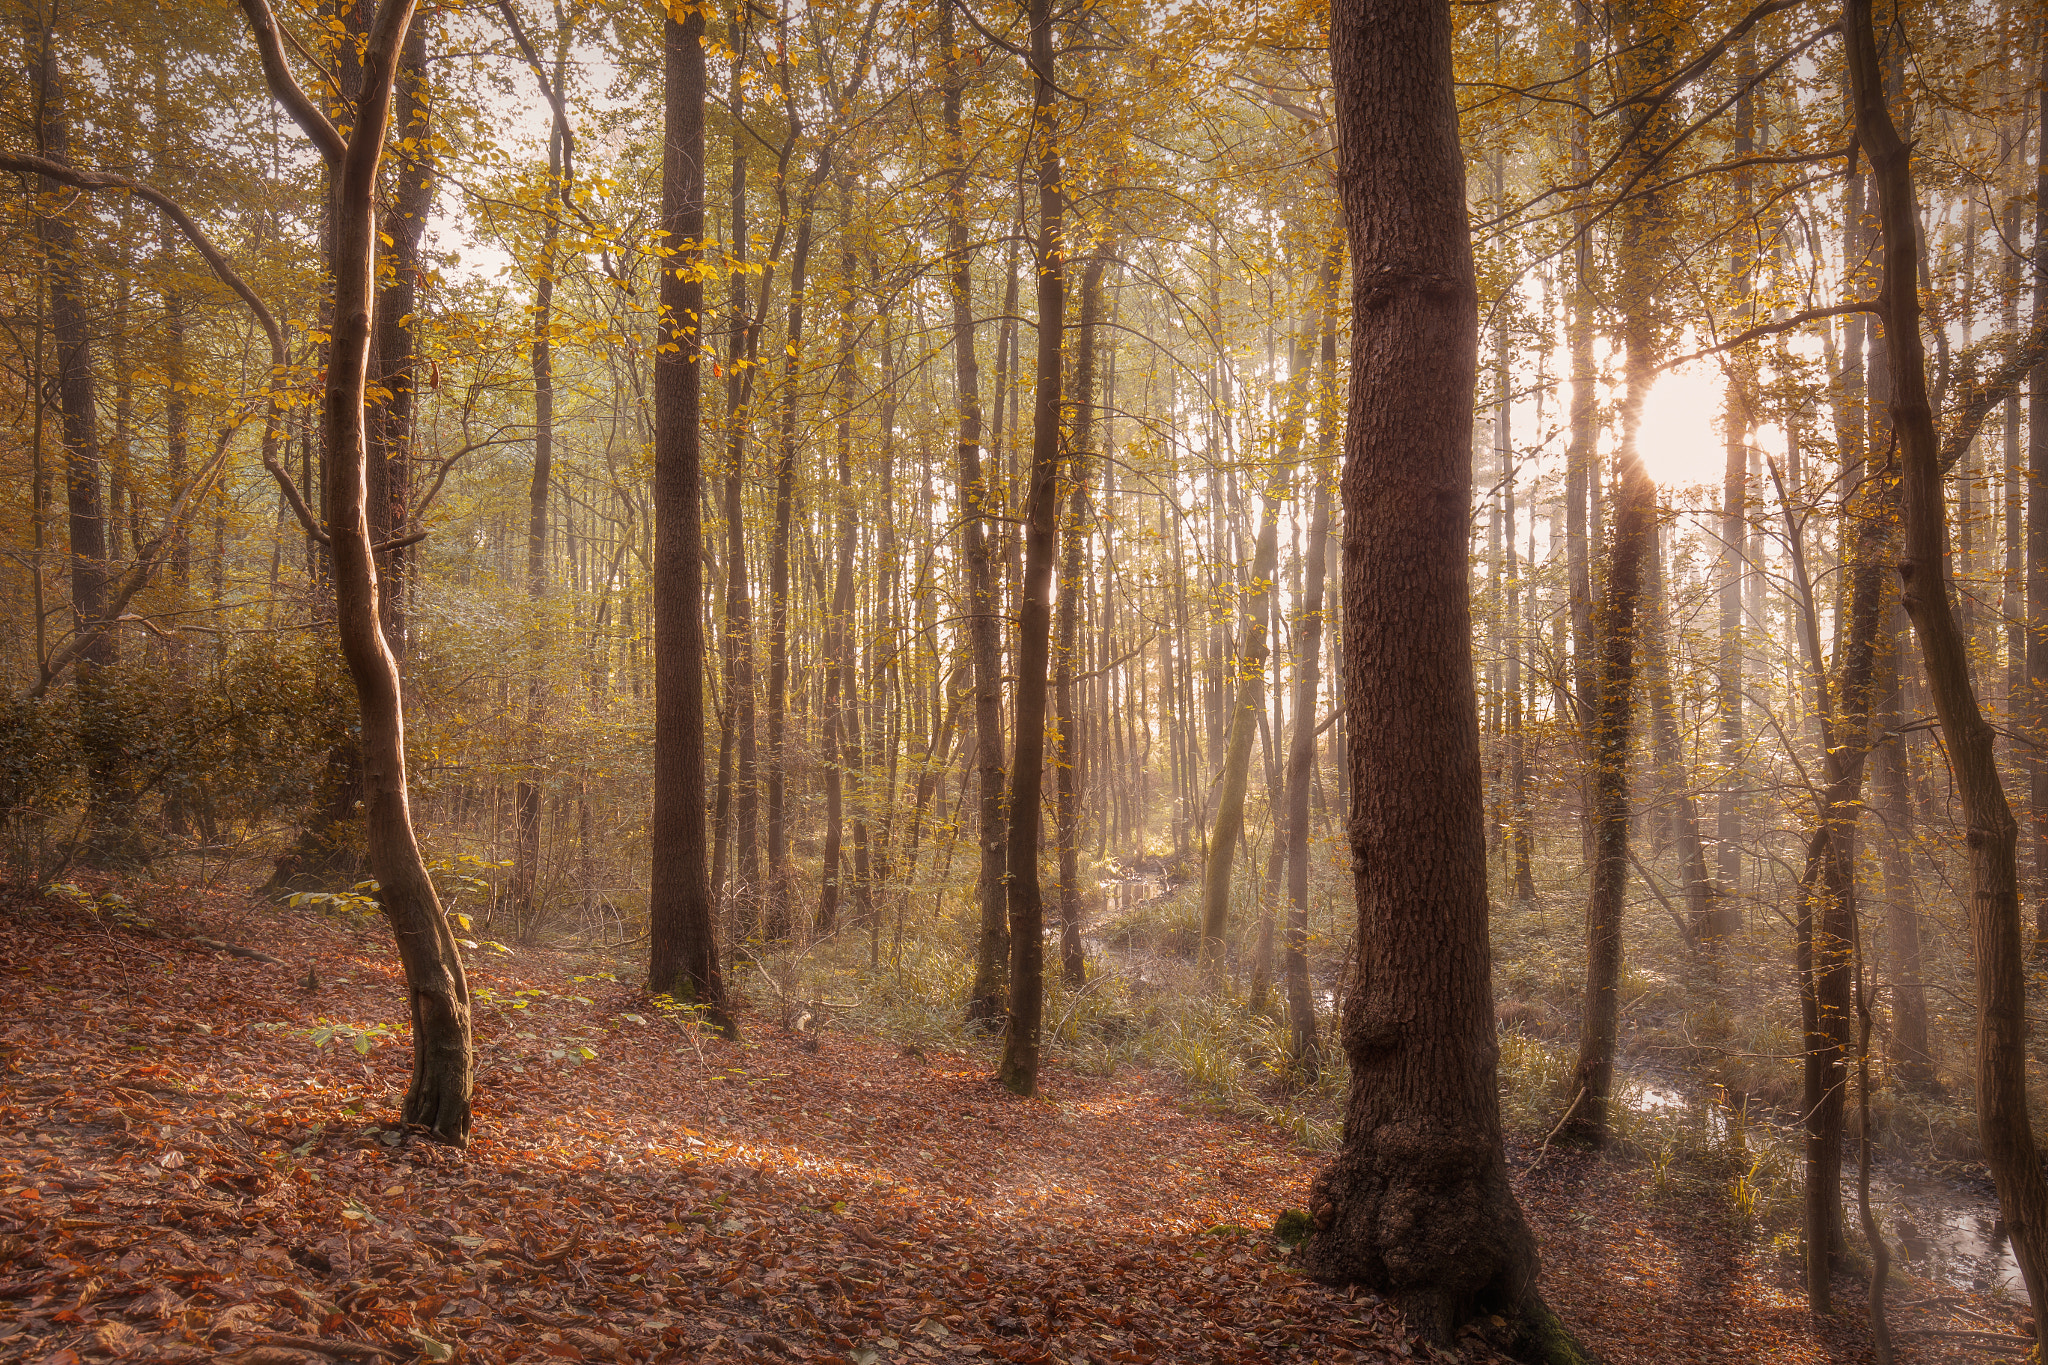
(183, 1175)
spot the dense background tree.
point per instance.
(1680, 424)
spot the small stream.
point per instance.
(1946, 1230)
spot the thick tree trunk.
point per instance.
(2003, 1122)
(683, 960)
(1416, 1204)
(1019, 1067)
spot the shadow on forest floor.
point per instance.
(184, 1174)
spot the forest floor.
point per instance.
(185, 1175)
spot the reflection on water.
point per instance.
(1941, 1229)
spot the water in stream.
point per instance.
(1944, 1230)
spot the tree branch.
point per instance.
(285, 88)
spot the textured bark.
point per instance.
(438, 1098)
(985, 1001)
(2003, 1121)
(1018, 1070)
(683, 960)
(1416, 1204)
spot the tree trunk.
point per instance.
(683, 960)
(838, 708)
(1249, 686)
(527, 795)
(1303, 1053)
(1019, 1068)
(2003, 1122)
(1416, 1204)
(1071, 752)
(2036, 706)
(109, 818)
(438, 1098)
(1645, 223)
(985, 1001)
(742, 346)
(1700, 891)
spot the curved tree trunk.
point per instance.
(438, 1099)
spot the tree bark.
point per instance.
(1645, 223)
(2003, 1122)
(438, 1098)
(1018, 1070)
(1071, 753)
(985, 1001)
(1303, 1053)
(683, 960)
(1416, 1204)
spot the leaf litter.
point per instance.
(185, 1176)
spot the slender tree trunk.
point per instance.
(527, 795)
(1416, 1204)
(2003, 1121)
(395, 350)
(837, 709)
(779, 872)
(1249, 686)
(1910, 1058)
(1685, 814)
(683, 960)
(986, 998)
(1071, 752)
(99, 732)
(742, 349)
(1019, 1068)
(2036, 712)
(438, 1098)
(1302, 1050)
(1734, 543)
(1646, 40)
